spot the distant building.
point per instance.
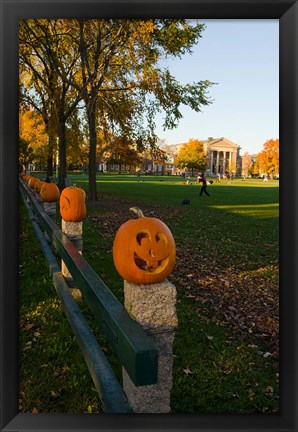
(222, 155)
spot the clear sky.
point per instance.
(242, 56)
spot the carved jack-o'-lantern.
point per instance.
(72, 204)
(144, 250)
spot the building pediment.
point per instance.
(221, 143)
(212, 144)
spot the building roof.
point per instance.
(209, 142)
(212, 141)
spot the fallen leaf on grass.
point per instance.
(187, 371)
(28, 326)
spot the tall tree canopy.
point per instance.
(111, 68)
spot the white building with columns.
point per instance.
(222, 155)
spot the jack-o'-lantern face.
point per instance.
(72, 204)
(144, 251)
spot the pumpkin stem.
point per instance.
(137, 211)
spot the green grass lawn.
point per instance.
(226, 276)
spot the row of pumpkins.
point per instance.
(71, 199)
(144, 250)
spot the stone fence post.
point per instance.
(73, 211)
(144, 254)
(153, 307)
(74, 232)
(50, 209)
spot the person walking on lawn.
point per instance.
(204, 185)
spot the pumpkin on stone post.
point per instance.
(72, 204)
(144, 250)
(49, 192)
(32, 182)
(38, 185)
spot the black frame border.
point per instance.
(10, 12)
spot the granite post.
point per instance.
(153, 307)
(50, 209)
(74, 232)
(39, 199)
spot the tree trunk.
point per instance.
(50, 157)
(91, 112)
(62, 152)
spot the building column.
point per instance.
(224, 162)
(211, 162)
(231, 158)
(217, 161)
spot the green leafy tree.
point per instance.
(192, 156)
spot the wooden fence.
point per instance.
(134, 350)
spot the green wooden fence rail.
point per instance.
(134, 349)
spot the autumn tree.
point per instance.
(268, 158)
(25, 153)
(39, 87)
(255, 169)
(246, 164)
(112, 66)
(192, 156)
(122, 152)
(32, 131)
(47, 49)
(119, 70)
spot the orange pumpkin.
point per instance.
(144, 250)
(32, 182)
(38, 186)
(49, 192)
(72, 204)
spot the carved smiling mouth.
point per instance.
(155, 267)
